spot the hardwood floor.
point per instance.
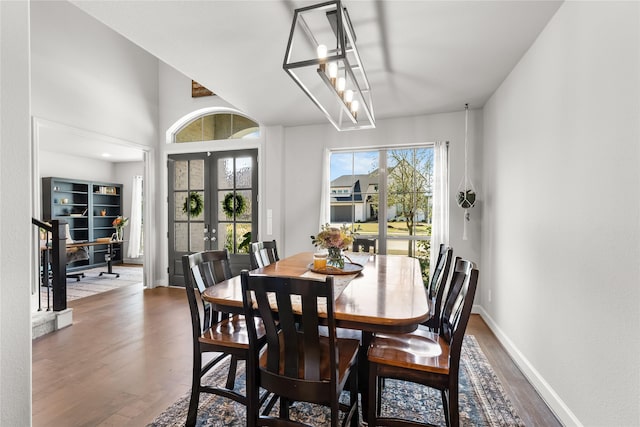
(127, 357)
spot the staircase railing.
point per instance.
(53, 264)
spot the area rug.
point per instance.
(482, 400)
(92, 283)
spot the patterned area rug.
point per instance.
(92, 283)
(482, 400)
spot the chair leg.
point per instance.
(379, 395)
(231, 376)
(335, 412)
(284, 408)
(253, 396)
(374, 397)
(353, 398)
(454, 412)
(192, 415)
(445, 405)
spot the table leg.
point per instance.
(363, 373)
(109, 257)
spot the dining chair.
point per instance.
(364, 245)
(437, 286)
(263, 254)
(217, 333)
(298, 363)
(424, 357)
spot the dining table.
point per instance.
(387, 296)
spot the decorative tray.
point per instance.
(103, 239)
(349, 268)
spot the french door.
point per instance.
(212, 206)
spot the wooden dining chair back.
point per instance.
(213, 332)
(214, 267)
(394, 356)
(437, 286)
(364, 245)
(263, 254)
(299, 363)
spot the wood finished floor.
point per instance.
(127, 357)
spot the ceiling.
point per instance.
(56, 139)
(421, 57)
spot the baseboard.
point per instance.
(548, 394)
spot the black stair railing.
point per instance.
(53, 263)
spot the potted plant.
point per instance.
(334, 240)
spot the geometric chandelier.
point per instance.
(322, 58)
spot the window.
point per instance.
(387, 195)
(218, 126)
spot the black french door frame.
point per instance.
(202, 174)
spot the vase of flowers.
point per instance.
(119, 223)
(334, 240)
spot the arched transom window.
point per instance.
(218, 126)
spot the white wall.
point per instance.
(303, 152)
(561, 227)
(75, 167)
(15, 216)
(87, 77)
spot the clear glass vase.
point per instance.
(334, 258)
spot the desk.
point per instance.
(108, 256)
(387, 296)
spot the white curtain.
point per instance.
(136, 218)
(440, 220)
(325, 202)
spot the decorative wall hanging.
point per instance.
(466, 191)
(233, 205)
(197, 90)
(193, 205)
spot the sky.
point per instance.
(358, 163)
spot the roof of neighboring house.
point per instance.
(358, 184)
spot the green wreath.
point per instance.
(228, 204)
(193, 205)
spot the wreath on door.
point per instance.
(233, 204)
(193, 205)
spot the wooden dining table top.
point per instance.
(388, 295)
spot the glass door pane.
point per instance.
(354, 191)
(409, 197)
(187, 210)
(237, 195)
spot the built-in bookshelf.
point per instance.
(89, 208)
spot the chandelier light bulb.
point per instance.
(322, 55)
(354, 109)
(348, 96)
(342, 83)
(333, 72)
